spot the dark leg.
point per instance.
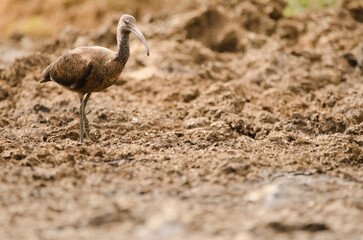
(86, 99)
(86, 124)
(81, 118)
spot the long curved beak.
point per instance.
(137, 32)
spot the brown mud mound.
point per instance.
(241, 124)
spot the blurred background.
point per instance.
(43, 18)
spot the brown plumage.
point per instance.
(91, 69)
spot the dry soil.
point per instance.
(242, 124)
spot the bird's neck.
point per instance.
(123, 49)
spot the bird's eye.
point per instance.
(126, 22)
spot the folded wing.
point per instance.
(71, 70)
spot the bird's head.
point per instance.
(127, 24)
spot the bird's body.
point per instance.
(85, 69)
(92, 69)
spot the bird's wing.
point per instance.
(71, 70)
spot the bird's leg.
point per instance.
(86, 124)
(81, 118)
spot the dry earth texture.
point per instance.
(242, 124)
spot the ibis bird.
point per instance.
(91, 69)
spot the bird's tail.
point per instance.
(46, 74)
(45, 80)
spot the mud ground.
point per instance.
(242, 124)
